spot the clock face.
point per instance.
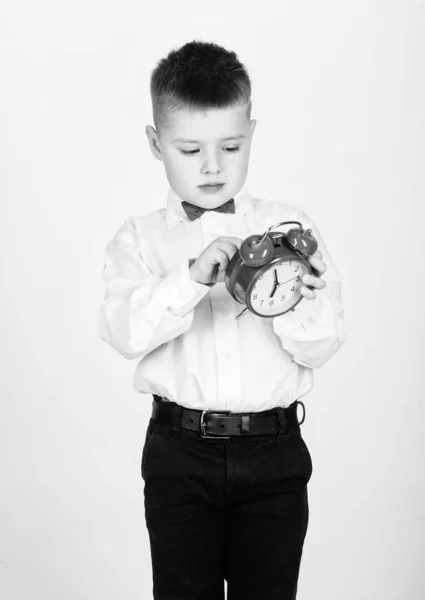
(277, 288)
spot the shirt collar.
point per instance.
(175, 212)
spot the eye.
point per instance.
(235, 149)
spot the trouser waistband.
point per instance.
(219, 424)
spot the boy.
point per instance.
(224, 464)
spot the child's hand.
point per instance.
(211, 264)
(315, 282)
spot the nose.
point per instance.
(211, 163)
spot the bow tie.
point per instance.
(194, 212)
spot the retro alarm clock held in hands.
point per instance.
(265, 273)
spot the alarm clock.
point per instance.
(265, 274)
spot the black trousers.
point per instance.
(232, 509)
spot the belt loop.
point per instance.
(177, 417)
(296, 411)
(282, 420)
(245, 424)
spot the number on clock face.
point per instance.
(277, 290)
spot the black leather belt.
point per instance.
(211, 424)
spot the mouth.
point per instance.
(212, 187)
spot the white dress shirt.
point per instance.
(189, 345)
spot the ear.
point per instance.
(154, 142)
(252, 126)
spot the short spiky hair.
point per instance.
(198, 76)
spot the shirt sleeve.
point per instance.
(142, 310)
(315, 330)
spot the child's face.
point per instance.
(211, 158)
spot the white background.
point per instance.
(338, 92)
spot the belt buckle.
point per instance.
(217, 436)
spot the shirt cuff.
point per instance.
(306, 309)
(180, 294)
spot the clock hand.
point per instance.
(276, 284)
(279, 284)
(274, 290)
(283, 283)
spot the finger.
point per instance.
(230, 247)
(222, 268)
(309, 294)
(318, 264)
(231, 240)
(220, 277)
(318, 254)
(216, 263)
(237, 241)
(315, 282)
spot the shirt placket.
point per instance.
(228, 354)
